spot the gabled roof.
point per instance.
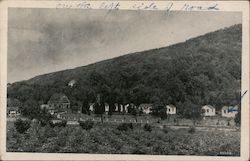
(233, 109)
(72, 82)
(229, 108)
(171, 106)
(90, 104)
(211, 107)
(145, 105)
(224, 108)
(58, 98)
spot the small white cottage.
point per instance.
(146, 107)
(229, 111)
(106, 107)
(208, 110)
(44, 106)
(91, 107)
(72, 83)
(126, 108)
(171, 109)
(13, 107)
(117, 107)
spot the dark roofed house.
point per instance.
(59, 101)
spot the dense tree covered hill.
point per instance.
(202, 70)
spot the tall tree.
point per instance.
(30, 109)
(99, 107)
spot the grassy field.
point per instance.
(107, 139)
(171, 120)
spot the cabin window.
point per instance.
(207, 110)
(225, 111)
(169, 110)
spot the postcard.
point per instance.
(124, 80)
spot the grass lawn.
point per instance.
(171, 120)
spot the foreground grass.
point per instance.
(106, 139)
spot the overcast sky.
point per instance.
(47, 40)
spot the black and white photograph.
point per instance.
(137, 82)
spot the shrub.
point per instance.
(191, 129)
(22, 125)
(51, 124)
(166, 129)
(125, 126)
(147, 127)
(130, 125)
(43, 123)
(87, 125)
(237, 118)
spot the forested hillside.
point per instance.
(202, 70)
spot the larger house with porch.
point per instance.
(58, 102)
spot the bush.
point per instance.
(191, 129)
(51, 124)
(22, 125)
(237, 118)
(147, 127)
(87, 125)
(43, 123)
(166, 129)
(125, 126)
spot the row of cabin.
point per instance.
(226, 111)
(59, 102)
(147, 108)
(208, 110)
(118, 107)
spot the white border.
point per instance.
(241, 6)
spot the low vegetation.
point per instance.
(147, 127)
(22, 125)
(191, 129)
(87, 125)
(125, 126)
(109, 139)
